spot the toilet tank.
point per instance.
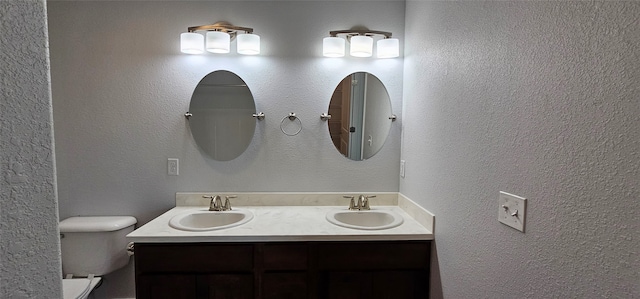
(94, 245)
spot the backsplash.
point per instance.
(286, 198)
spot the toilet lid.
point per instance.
(76, 288)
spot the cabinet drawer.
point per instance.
(193, 258)
(285, 256)
(373, 255)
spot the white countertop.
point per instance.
(278, 224)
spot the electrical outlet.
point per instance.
(402, 164)
(172, 166)
(512, 210)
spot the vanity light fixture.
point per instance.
(218, 39)
(361, 44)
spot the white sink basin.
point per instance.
(367, 220)
(205, 220)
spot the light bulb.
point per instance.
(191, 43)
(388, 48)
(218, 42)
(248, 44)
(333, 46)
(361, 46)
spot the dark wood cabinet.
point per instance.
(224, 286)
(374, 269)
(377, 269)
(284, 285)
(178, 286)
(375, 284)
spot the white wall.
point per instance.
(538, 99)
(121, 87)
(30, 247)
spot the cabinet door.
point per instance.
(345, 284)
(225, 286)
(400, 285)
(288, 285)
(375, 285)
(166, 286)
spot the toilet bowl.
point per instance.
(91, 247)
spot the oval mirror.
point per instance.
(221, 115)
(360, 109)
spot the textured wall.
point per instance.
(539, 99)
(120, 91)
(30, 250)
(121, 87)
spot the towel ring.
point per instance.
(291, 127)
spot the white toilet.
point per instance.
(91, 247)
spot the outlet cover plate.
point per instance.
(512, 210)
(173, 166)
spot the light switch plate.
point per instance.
(512, 210)
(402, 165)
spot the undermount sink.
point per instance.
(205, 220)
(366, 220)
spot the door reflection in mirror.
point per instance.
(360, 107)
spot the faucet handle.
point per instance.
(365, 202)
(352, 203)
(227, 204)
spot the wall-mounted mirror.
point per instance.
(360, 111)
(221, 115)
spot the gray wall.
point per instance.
(29, 248)
(539, 99)
(121, 87)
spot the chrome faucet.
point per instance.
(361, 204)
(216, 203)
(352, 203)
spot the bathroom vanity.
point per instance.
(283, 252)
(364, 269)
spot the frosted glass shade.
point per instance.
(248, 44)
(361, 46)
(191, 43)
(218, 42)
(388, 48)
(333, 47)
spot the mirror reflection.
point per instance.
(360, 108)
(221, 120)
